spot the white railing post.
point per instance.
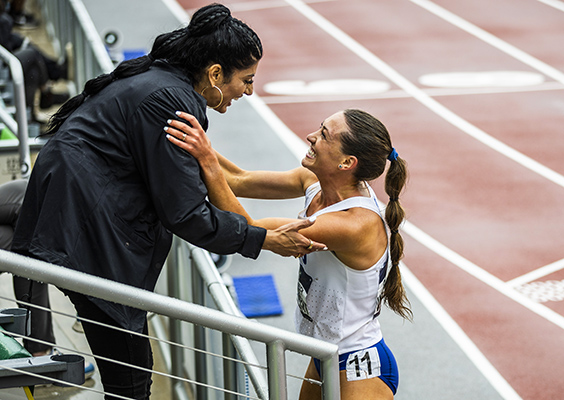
(276, 360)
(20, 126)
(330, 388)
(175, 332)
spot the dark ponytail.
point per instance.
(213, 36)
(369, 141)
(394, 292)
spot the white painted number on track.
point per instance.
(327, 87)
(482, 79)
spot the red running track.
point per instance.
(491, 207)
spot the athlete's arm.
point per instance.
(223, 178)
(252, 184)
(357, 236)
(282, 237)
(265, 184)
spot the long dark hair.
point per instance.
(212, 37)
(369, 141)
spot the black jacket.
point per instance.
(108, 189)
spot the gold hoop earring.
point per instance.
(220, 95)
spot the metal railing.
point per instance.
(68, 22)
(19, 125)
(205, 274)
(277, 341)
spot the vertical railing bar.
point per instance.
(276, 361)
(16, 73)
(330, 388)
(229, 367)
(175, 332)
(199, 337)
(225, 303)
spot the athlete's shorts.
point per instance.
(374, 361)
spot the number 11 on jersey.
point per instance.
(363, 364)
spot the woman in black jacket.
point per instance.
(108, 190)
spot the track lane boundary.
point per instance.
(479, 273)
(554, 3)
(537, 273)
(401, 94)
(491, 39)
(492, 375)
(423, 98)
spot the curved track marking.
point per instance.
(554, 3)
(423, 98)
(537, 273)
(491, 39)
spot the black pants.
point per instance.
(116, 345)
(41, 321)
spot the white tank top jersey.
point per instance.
(337, 303)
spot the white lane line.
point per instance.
(450, 326)
(479, 273)
(399, 94)
(298, 147)
(261, 5)
(554, 3)
(491, 39)
(423, 98)
(176, 10)
(328, 87)
(537, 273)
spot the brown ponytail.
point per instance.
(369, 141)
(394, 292)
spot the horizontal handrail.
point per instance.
(139, 298)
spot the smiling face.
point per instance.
(241, 83)
(325, 154)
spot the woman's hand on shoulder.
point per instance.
(191, 137)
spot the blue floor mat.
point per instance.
(257, 296)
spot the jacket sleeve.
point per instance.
(173, 179)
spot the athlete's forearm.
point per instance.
(219, 190)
